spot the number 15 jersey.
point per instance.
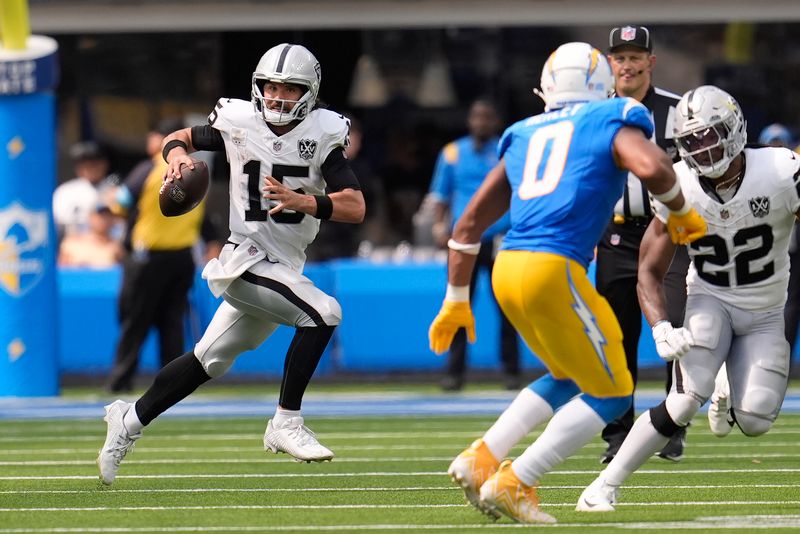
(563, 176)
(294, 159)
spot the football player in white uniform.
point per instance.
(736, 284)
(283, 152)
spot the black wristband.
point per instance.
(172, 144)
(324, 207)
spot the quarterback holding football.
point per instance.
(284, 150)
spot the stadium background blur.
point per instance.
(407, 71)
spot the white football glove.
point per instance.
(671, 343)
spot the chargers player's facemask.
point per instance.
(289, 64)
(710, 130)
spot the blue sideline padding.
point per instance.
(89, 330)
(387, 309)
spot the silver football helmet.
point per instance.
(709, 130)
(286, 63)
(575, 72)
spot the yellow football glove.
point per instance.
(686, 228)
(451, 317)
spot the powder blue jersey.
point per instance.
(563, 177)
(460, 171)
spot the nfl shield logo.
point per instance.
(277, 145)
(724, 214)
(628, 33)
(306, 148)
(615, 239)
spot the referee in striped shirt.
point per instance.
(632, 60)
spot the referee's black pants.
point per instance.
(616, 279)
(154, 293)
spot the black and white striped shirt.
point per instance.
(635, 201)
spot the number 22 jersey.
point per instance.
(563, 176)
(743, 259)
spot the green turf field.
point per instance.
(204, 475)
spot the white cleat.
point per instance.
(719, 415)
(118, 441)
(598, 497)
(720, 420)
(297, 440)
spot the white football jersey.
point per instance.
(294, 159)
(743, 260)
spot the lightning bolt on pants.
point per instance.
(571, 328)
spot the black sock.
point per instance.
(301, 361)
(173, 383)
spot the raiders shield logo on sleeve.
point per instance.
(306, 148)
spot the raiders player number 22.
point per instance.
(284, 152)
(736, 286)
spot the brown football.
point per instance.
(182, 196)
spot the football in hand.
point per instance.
(182, 196)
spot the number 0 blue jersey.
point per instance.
(563, 177)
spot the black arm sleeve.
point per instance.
(208, 230)
(207, 138)
(337, 172)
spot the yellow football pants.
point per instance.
(563, 319)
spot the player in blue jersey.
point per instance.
(561, 172)
(460, 170)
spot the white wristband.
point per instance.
(665, 197)
(466, 248)
(683, 211)
(457, 293)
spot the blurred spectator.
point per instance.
(459, 172)
(402, 177)
(341, 240)
(158, 266)
(779, 135)
(96, 248)
(76, 199)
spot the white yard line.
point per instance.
(582, 472)
(380, 489)
(324, 436)
(345, 459)
(144, 448)
(350, 506)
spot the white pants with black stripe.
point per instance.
(753, 345)
(265, 296)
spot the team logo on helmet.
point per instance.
(306, 148)
(23, 247)
(759, 206)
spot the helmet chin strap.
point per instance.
(717, 173)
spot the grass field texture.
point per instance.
(211, 475)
